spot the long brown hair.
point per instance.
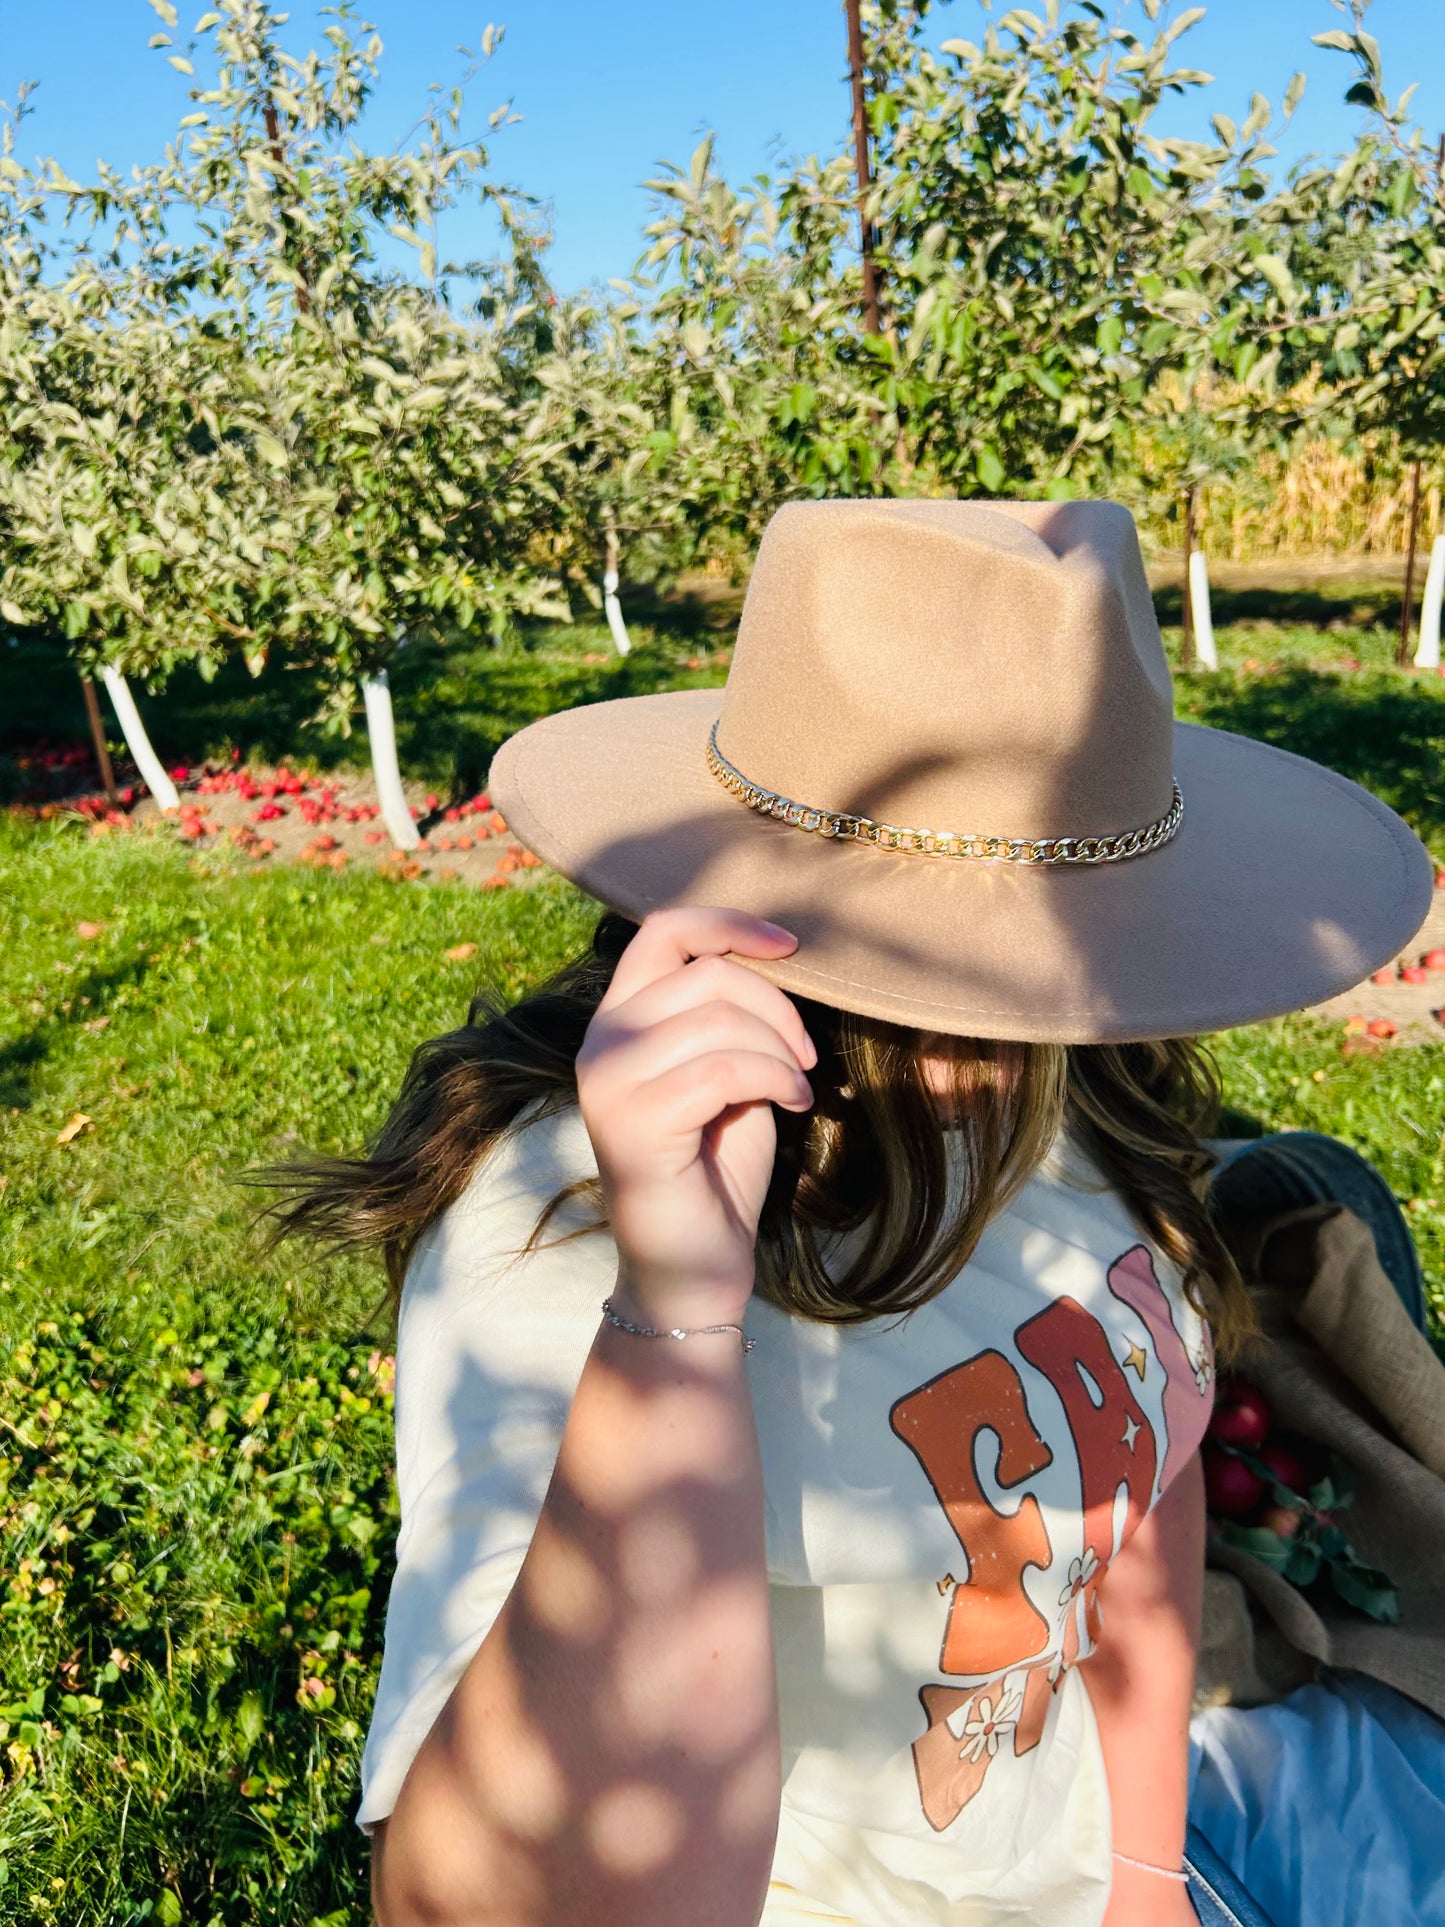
(873, 1157)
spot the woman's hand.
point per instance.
(676, 1080)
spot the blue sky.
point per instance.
(606, 91)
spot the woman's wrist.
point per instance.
(669, 1305)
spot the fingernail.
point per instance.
(777, 930)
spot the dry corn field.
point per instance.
(1323, 499)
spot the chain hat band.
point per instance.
(946, 843)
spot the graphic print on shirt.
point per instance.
(1188, 1398)
(995, 1636)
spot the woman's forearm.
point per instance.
(611, 1754)
(1141, 1682)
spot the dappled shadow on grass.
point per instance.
(452, 716)
(1325, 607)
(456, 701)
(23, 1057)
(1381, 730)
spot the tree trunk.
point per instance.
(152, 770)
(1427, 655)
(381, 729)
(611, 606)
(1407, 601)
(1203, 614)
(872, 308)
(97, 737)
(1187, 658)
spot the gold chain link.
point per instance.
(945, 843)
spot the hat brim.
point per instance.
(1286, 884)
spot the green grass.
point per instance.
(195, 1454)
(195, 1492)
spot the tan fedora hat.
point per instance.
(946, 757)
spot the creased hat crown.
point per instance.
(986, 668)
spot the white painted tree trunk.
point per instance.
(1427, 652)
(151, 768)
(381, 728)
(614, 613)
(610, 604)
(1203, 615)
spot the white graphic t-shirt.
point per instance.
(943, 1495)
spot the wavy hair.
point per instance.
(876, 1156)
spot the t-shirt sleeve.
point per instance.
(490, 1346)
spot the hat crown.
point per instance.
(986, 668)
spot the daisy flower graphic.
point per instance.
(990, 1722)
(1081, 1571)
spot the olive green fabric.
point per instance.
(1341, 1363)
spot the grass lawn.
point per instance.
(195, 1438)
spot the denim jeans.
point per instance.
(1218, 1898)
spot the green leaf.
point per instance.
(1260, 1543)
(1341, 42)
(1367, 1590)
(180, 63)
(1189, 18)
(1303, 1565)
(1277, 275)
(270, 449)
(250, 1719)
(166, 11)
(990, 469)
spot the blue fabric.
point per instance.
(1329, 1806)
(1218, 1898)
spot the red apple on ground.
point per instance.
(1434, 960)
(1383, 977)
(1413, 974)
(1381, 1027)
(1241, 1415)
(1231, 1490)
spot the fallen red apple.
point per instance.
(1383, 977)
(1414, 974)
(1231, 1490)
(1241, 1415)
(1381, 1027)
(1434, 960)
(1360, 1047)
(1286, 1465)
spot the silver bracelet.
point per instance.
(697, 1331)
(1148, 1866)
